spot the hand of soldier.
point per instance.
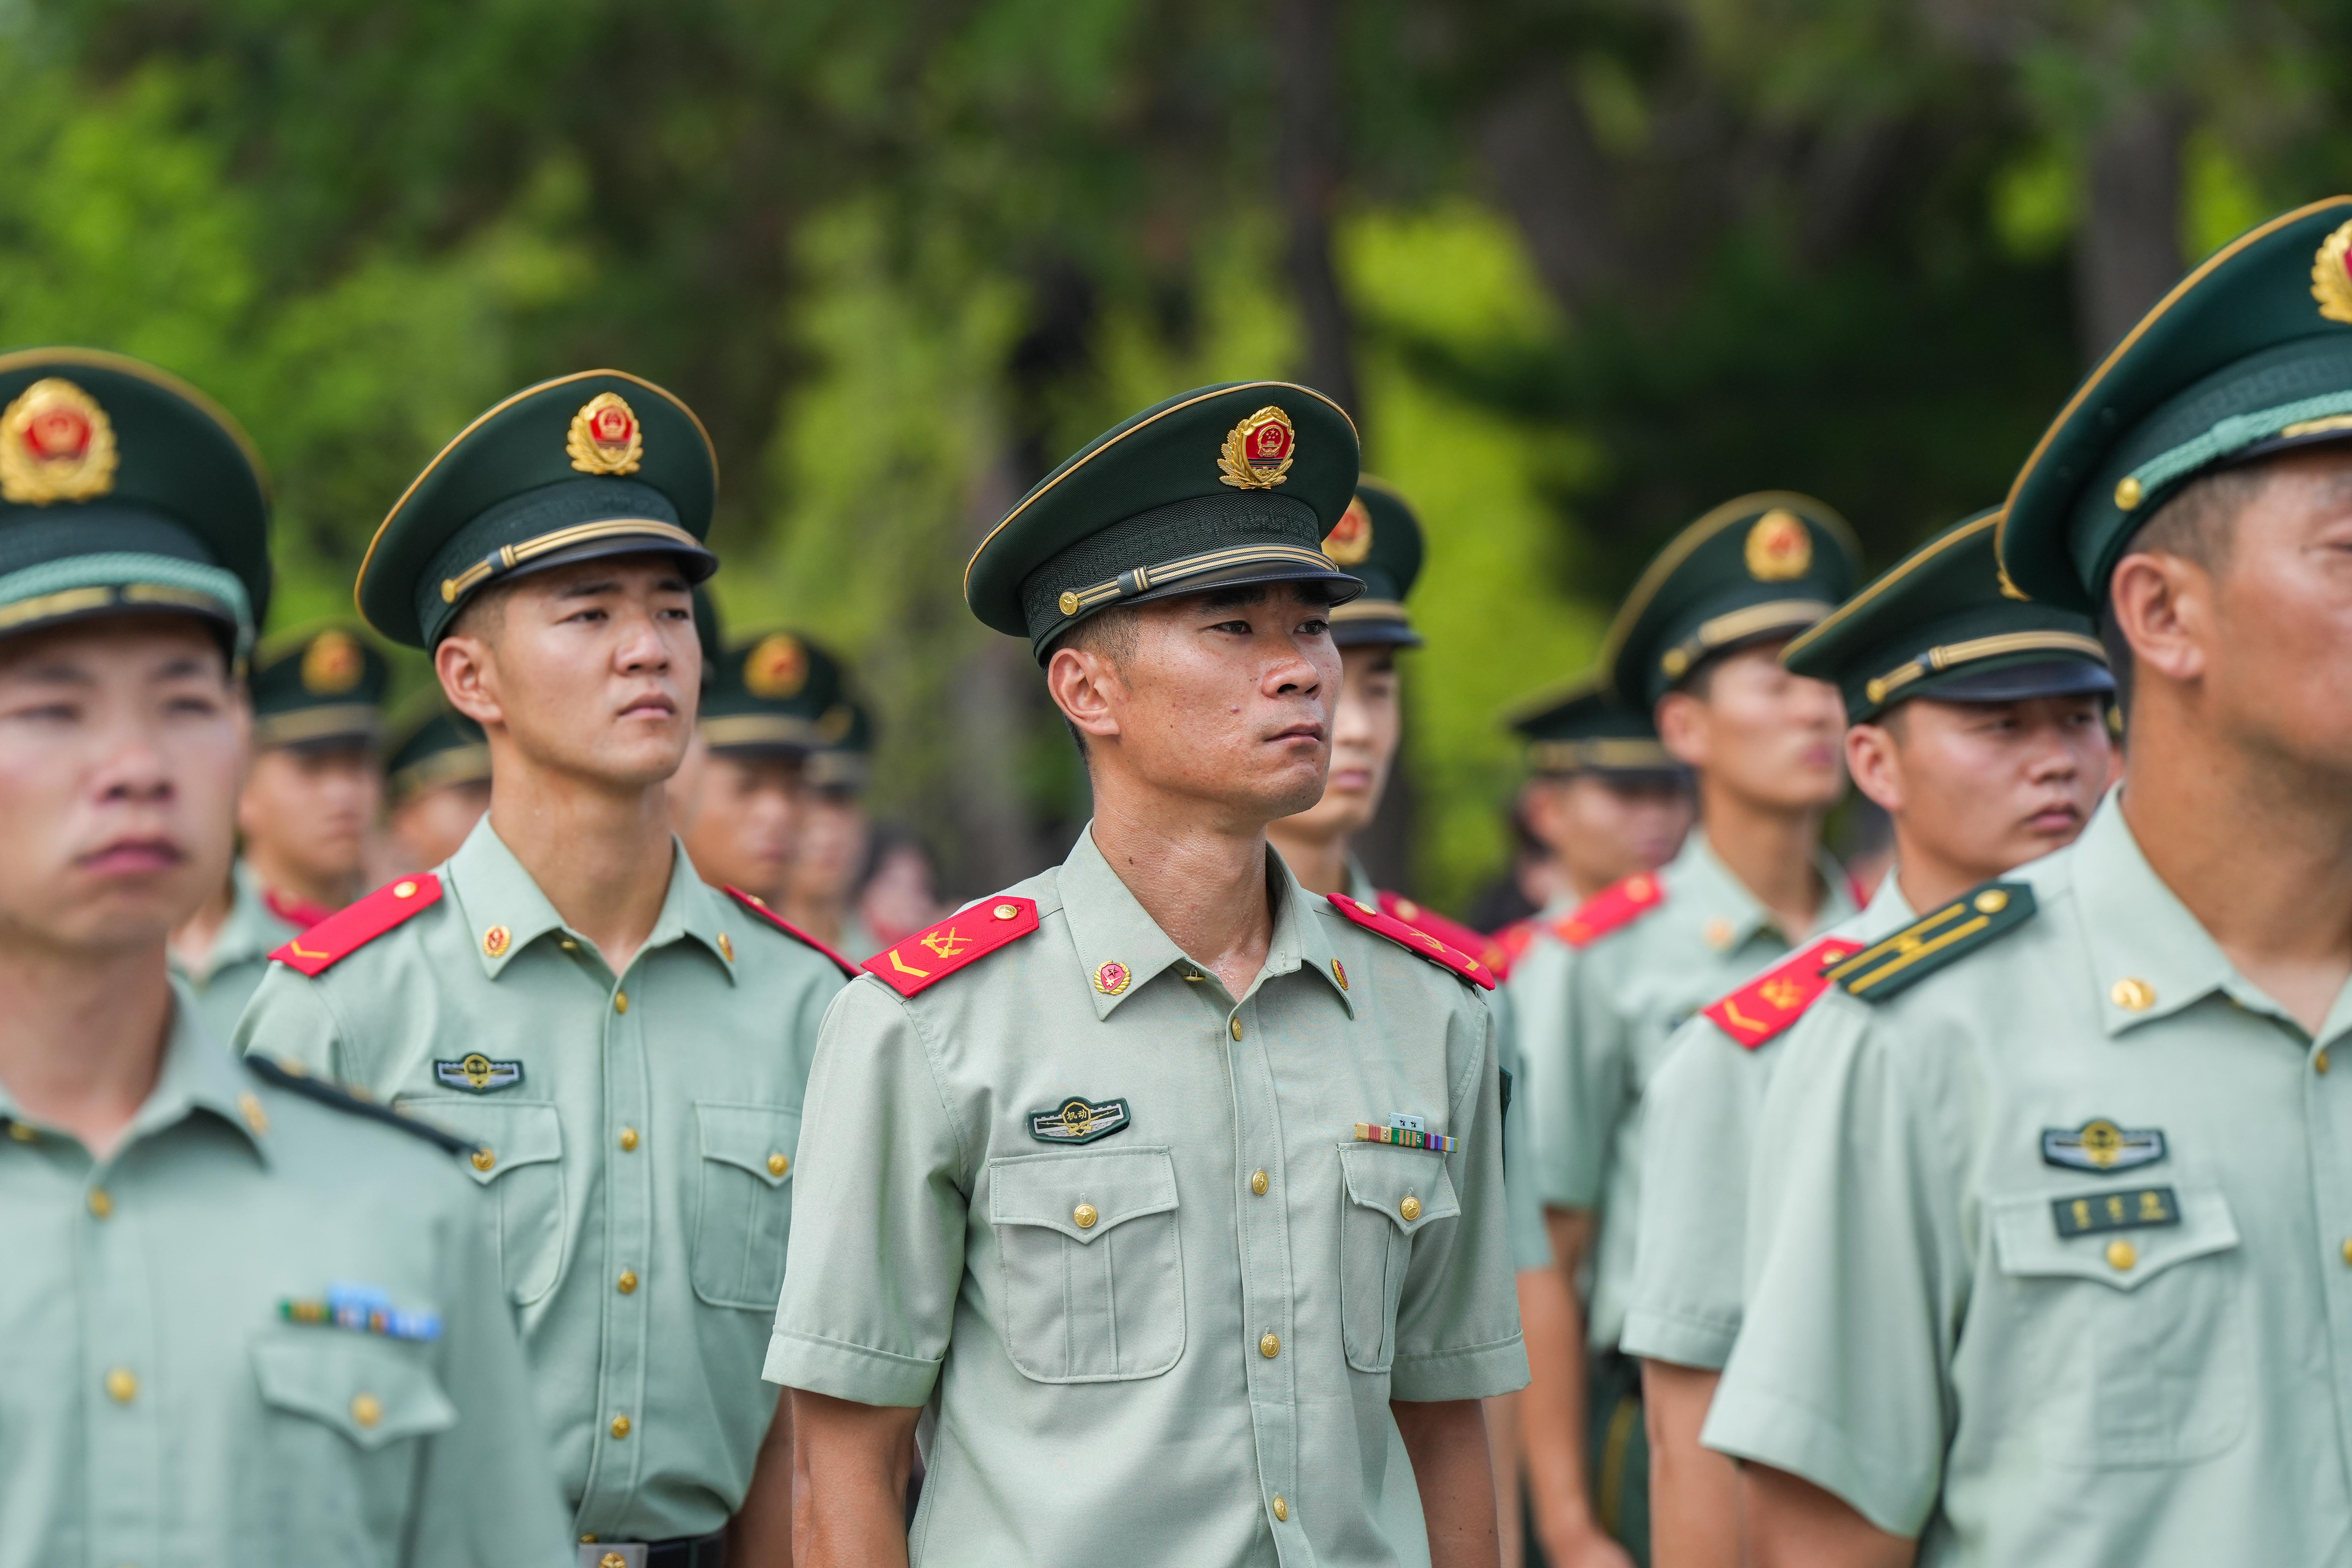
(1584, 1546)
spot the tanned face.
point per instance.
(1983, 787)
(1366, 725)
(1604, 827)
(1224, 704)
(310, 810)
(121, 745)
(1761, 733)
(828, 845)
(745, 821)
(591, 669)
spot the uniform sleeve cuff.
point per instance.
(1475, 1371)
(848, 1372)
(1684, 1340)
(1789, 1437)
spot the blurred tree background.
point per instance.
(1583, 268)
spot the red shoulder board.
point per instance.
(1618, 905)
(294, 911)
(1416, 940)
(1514, 939)
(1451, 932)
(1779, 997)
(759, 905)
(347, 931)
(907, 965)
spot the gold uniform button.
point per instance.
(611, 1560)
(2347, 1251)
(1006, 912)
(2319, 1062)
(778, 1164)
(628, 1140)
(21, 1134)
(1084, 1216)
(627, 1282)
(122, 1385)
(485, 1157)
(366, 1409)
(1269, 1344)
(2121, 1255)
(255, 1117)
(2132, 995)
(1258, 1183)
(404, 888)
(1281, 1510)
(620, 1001)
(726, 948)
(99, 1204)
(1991, 902)
(620, 1426)
(1410, 1209)
(1237, 1026)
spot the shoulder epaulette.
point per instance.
(759, 905)
(294, 911)
(1513, 941)
(1414, 940)
(1933, 941)
(930, 956)
(347, 931)
(1619, 904)
(1451, 932)
(1777, 998)
(295, 1080)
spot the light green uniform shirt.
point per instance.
(1939, 1334)
(1620, 999)
(240, 958)
(859, 942)
(1127, 1350)
(157, 1408)
(1700, 1125)
(639, 1163)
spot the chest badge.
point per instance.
(476, 1074)
(1406, 1133)
(364, 1308)
(1079, 1120)
(2100, 1146)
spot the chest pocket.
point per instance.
(343, 1415)
(1390, 1196)
(744, 1213)
(2120, 1347)
(521, 1162)
(1093, 1263)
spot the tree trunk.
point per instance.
(1313, 148)
(2128, 251)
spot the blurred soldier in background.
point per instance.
(756, 734)
(829, 848)
(437, 780)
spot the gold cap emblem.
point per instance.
(1779, 548)
(56, 443)
(332, 664)
(1258, 451)
(1350, 539)
(777, 667)
(2331, 274)
(605, 436)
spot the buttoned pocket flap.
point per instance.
(372, 1391)
(1408, 1185)
(2114, 1234)
(509, 1134)
(761, 1138)
(1081, 1195)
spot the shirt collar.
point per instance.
(506, 911)
(1888, 910)
(1359, 884)
(1704, 886)
(197, 1073)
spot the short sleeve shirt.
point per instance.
(1134, 1341)
(159, 1406)
(1618, 1001)
(2058, 1272)
(240, 958)
(639, 1132)
(1701, 1126)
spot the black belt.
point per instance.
(684, 1552)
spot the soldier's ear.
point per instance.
(1682, 727)
(1086, 685)
(466, 666)
(2162, 605)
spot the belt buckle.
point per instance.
(612, 1554)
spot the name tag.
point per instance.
(2098, 1212)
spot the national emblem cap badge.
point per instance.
(56, 443)
(332, 664)
(2331, 274)
(1350, 539)
(605, 436)
(1258, 451)
(776, 668)
(1779, 548)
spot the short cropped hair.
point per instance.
(2200, 523)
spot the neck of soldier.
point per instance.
(275, 871)
(1770, 849)
(601, 852)
(1320, 860)
(2257, 845)
(1199, 876)
(82, 1037)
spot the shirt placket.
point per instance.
(627, 1155)
(2327, 1110)
(120, 1396)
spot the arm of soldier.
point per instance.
(1856, 1282)
(849, 1481)
(1551, 1421)
(289, 1020)
(1446, 1441)
(761, 1533)
(1792, 1523)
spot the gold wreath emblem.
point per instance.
(776, 667)
(605, 436)
(56, 443)
(1779, 548)
(2331, 280)
(332, 664)
(1350, 539)
(1258, 451)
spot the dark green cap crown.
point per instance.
(321, 686)
(430, 745)
(1219, 486)
(1939, 624)
(2248, 354)
(1759, 566)
(1580, 727)
(124, 488)
(775, 693)
(596, 464)
(1379, 540)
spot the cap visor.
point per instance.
(2044, 677)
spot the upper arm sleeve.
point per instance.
(876, 1259)
(289, 1019)
(1531, 1242)
(1578, 1077)
(1697, 1128)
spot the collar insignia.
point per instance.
(2100, 1146)
(1079, 1120)
(476, 1074)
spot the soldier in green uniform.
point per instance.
(1698, 643)
(1604, 794)
(1978, 722)
(246, 1321)
(1158, 1194)
(2059, 1266)
(832, 836)
(437, 780)
(627, 1045)
(756, 736)
(308, 806)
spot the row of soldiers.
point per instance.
(1157, 1206)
